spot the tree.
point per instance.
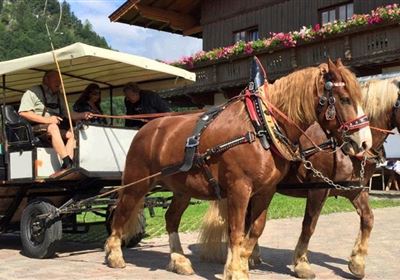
(23, 30)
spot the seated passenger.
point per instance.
(44, 107)
(142, 102)
(89, 101)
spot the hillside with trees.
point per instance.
(23, 29)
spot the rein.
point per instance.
(147, 116)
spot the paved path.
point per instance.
(330, 249)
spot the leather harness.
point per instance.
(263, 131)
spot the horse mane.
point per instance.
(295, 93)
(379, 96)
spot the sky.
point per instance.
(133, 39)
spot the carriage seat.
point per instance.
(18, 130)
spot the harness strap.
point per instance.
(329, 144)
(254, 109)
(192, 142)
(201, 160)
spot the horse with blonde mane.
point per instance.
(247, 173)
(381, 100)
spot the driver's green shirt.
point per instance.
(33, 100)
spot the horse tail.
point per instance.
(213, 236)
(134, 225)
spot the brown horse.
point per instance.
(381, 99)
(247, 174)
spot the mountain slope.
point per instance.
(23, 30)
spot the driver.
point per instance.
(42, 107)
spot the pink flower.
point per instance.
(248, 49)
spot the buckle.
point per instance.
(192, 141)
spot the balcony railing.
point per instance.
(368, 45)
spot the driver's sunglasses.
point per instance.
(96, 92)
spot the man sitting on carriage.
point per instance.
(41, 106)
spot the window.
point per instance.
(250, 34)
(340, 12)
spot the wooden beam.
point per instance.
(177, 21)
(193, 30)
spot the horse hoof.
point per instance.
(180, 265)
(236, 276)
(254, 262)
(304, 271)
(357, 270)
(115, 261)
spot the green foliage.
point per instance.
(23, 30)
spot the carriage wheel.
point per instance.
(140, 234)
(39, 236)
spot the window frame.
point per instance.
(247, 32)
(336, 9)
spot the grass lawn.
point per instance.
(281, 207)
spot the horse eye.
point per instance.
(345, 100)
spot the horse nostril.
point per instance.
(364, 145)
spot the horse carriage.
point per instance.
(36, 200)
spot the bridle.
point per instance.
(328, 100)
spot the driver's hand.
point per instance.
(87, 115)
(54, 119)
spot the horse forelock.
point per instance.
(295, 94)
(351, 84)
(379, 97)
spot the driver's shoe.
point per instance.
(67, 163)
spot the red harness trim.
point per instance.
(355, 124)
(250, 108)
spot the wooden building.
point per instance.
(370, 49)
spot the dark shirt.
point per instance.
(85, 107)
(149, 103)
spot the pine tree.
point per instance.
(23, 30)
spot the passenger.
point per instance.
(89, 101)
(41, 106)
(142, 102)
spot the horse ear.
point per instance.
(339, 63)
(333, 70)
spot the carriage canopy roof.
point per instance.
(82, 64)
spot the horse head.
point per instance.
(381, 102)
(395, 116)
(339, 109)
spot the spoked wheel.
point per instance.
(40, 235)
(140, 233)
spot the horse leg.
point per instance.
(360, 249)
(178, 262)
(315, 201)
(251, 251)
(124, 223)
(237, 206)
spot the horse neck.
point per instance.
(292, 132)
(296, 96)
(383, 122)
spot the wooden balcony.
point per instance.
(365, 46)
